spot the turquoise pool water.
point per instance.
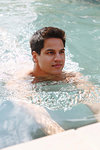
(18, 20)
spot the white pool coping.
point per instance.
(84, 138)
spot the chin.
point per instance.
(56, 73)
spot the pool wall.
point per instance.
(84, 138)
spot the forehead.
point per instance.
(53, 43)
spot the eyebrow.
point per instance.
(54, 49)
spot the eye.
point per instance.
(50, 52)
(62, 52)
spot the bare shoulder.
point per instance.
(20, 74)
(23, 72)
(74, 76)
(79, 76)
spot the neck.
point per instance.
(40, 76)
(37, 72)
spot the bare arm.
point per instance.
(87, 86)
(42, 117)
(93, 95)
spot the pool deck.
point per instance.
(84, 138)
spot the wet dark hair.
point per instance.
(38, 38)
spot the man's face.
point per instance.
(52, 58)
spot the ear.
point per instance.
(34, 55)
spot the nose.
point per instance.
(58, 57)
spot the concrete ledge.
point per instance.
(84, 138)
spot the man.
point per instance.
(48, 52)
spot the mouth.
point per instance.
(57, 66)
